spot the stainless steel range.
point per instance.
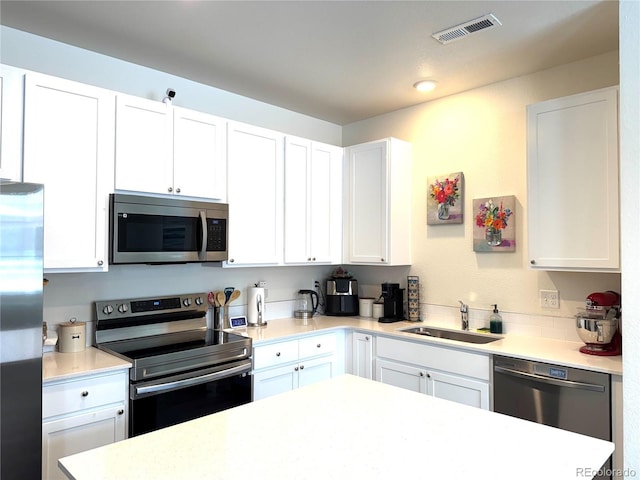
(181, 370)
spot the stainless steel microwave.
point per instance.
(166, 230)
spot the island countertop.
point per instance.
(347, 427)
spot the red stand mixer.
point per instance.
(598, 324)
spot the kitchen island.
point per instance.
(347, 427)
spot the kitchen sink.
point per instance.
(459, 336)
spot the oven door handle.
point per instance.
(551, 381)
(142, 390)
(203, 220)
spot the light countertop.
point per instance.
(62, 366)
(559, 352)
(347, 427)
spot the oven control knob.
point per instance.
(198, 300)
(123, 308)
(107, 310)
(186, 302)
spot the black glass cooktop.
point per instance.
(171, 343)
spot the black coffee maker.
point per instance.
(393, 297)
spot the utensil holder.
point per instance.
(413, 297)
(220, 318)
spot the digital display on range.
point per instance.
(154, 305)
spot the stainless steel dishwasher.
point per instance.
(568, 398)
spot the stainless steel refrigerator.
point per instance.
(21, 248)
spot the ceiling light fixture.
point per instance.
(425, 85)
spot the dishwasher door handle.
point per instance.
(551, 381)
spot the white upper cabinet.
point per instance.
(377, 223)
(199, 163)
(313, 202)
(572, 174)
(68, 147)
(11, 119)
(255, 195)
(168, 150)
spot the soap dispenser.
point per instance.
(495, 321)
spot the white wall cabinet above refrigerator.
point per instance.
(377, 196)
(11, 120)
(68, 147)
(168, 150)
(573, 184)
(312, 202)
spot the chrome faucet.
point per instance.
(464, 315)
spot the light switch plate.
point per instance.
(549, 299)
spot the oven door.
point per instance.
(171, 400)
(152, 230)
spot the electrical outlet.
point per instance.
(262, 284)
(316, 285)
(549, 299)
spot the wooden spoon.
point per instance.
(234, 295)
(220, 298)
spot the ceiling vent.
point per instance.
(467, 28)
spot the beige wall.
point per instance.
(482, 133)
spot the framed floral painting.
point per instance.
(495, 224)
(445, 199)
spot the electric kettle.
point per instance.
(305, 306)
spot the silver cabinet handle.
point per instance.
(295, 368)
(277, 354)
(301, 367)
(85, 394)
(120, 412)
(177, 190)
(100, 263)
(366, 338)
(532, 262)
(319, 345)
(231, 260)
(170, 189)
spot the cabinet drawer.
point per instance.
(89, 392)
(317, 345)
(275, 354)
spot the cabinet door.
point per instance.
(366, 183)
(401, 375)
(254, 182)
(144, 145)
(273, 381)
(11, 119)
(78, 433)
(325, 204)
(313, 202)
(68, 146)
(362, 355)
(296, 201)
(198, 155)
(316, 370)
(459, 389)
(572, 174)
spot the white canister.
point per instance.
(378, 310)
(366, 305)
(71, 337)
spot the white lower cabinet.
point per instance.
(80, 414)
(284, 366)
(456, 375)
(362, 355)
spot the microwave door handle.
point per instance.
(203, 249)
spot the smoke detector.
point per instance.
(467, 28)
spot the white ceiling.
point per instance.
(341, 61)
